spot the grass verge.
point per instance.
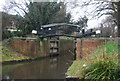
(102, 64)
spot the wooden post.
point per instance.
(83, 31)
(74, 46)
(81, 47)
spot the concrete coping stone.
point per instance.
(72, 77)
(96, 39)
(26, 38)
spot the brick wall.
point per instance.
(88, 46)
(32, 48)
(26, 47)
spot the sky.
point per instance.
(2, 2)
(76, 13)
(80, 12)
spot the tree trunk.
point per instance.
(118, 7)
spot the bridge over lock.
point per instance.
(50, 41)
(55, 31)
(63, 29)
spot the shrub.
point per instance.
(6, 34)
(105, 63)
(18, 34)
(107, 70)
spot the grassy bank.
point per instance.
(103, 64)
(9, 54)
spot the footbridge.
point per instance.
(63, 29)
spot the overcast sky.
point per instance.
(2, 2)
(76, 12)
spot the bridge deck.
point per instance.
(55, 35)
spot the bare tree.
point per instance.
(97, 9)
(110, 25)
(100, 8)
(20, 8)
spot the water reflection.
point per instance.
(48, 68)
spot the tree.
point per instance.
(82, 22)
(41, 13)
(106, 31)
(67, 18)
(8, 21)
(46, 13)
(97, 9)
(109, 23)
(101, 8)
(118, 18)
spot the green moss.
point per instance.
(9, 54)
(41, 43)
(66, 38)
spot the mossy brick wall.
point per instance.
(26, 47)
(88, 46)
(40, 48)
(34, 48)
(45, 47)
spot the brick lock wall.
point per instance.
(87, 46)
(26, 47)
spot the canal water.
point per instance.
(47, 68)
